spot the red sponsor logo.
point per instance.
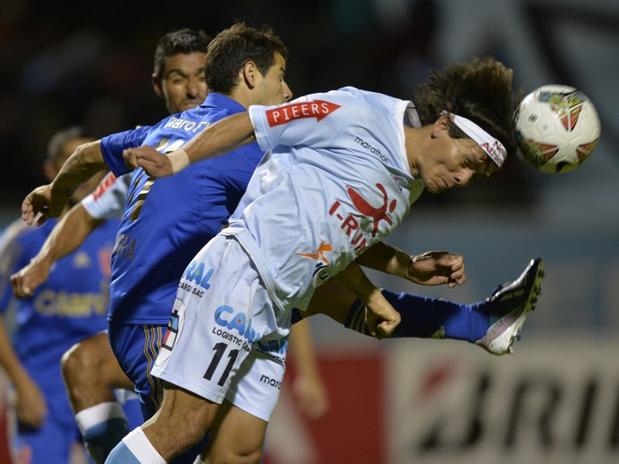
(318, 109)
(377, 214)
(104, 185)
(349, 222)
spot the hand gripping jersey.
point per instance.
(336, 181)
(167, 221)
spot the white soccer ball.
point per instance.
(557, 128)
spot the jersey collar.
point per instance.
(219, 100)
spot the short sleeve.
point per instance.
(112, 147)
(311, 120)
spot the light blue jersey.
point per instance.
(336, 181)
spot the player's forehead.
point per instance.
(477, 159)
(184, 63)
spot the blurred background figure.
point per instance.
(70, 306)
(558, 399)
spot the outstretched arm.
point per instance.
(308, 387)
(67, 236)
(429, 268)
(29, 401)
(220, 138)
(49, 200)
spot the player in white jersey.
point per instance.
(343, 169)
(232, 323)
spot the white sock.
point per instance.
(141, 448)
(97, 414)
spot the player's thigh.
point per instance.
(331, 299)
(240, 425)
(93, 358)
(111, 371)
(237, 437)
(256, 386)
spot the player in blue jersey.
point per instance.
(90, 368)
(163, 221)
(89, 371)
(70, 306)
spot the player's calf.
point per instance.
(90, 371)
(181, 422)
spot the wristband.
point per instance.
(179, 159)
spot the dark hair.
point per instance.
(182, 41)
(58, 140)
(480, 90)
(233, 47)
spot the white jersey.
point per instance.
(109, 199)
(335, 180)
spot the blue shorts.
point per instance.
(136, 347)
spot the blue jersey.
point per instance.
(113, 145)
(69, 307)
(167, 221)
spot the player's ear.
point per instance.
(249, 74)
(441, 125)
(157, 85)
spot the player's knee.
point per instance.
(79, 364)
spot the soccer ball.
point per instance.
(557, 128)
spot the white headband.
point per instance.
(493, 148)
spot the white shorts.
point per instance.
(225, 338)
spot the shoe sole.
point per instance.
(509, 335)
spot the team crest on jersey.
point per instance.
(173, 331)
(81, 260)
(318, 109)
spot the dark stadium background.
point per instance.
(67, 63)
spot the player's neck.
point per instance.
(414, 139)
(241, 95)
